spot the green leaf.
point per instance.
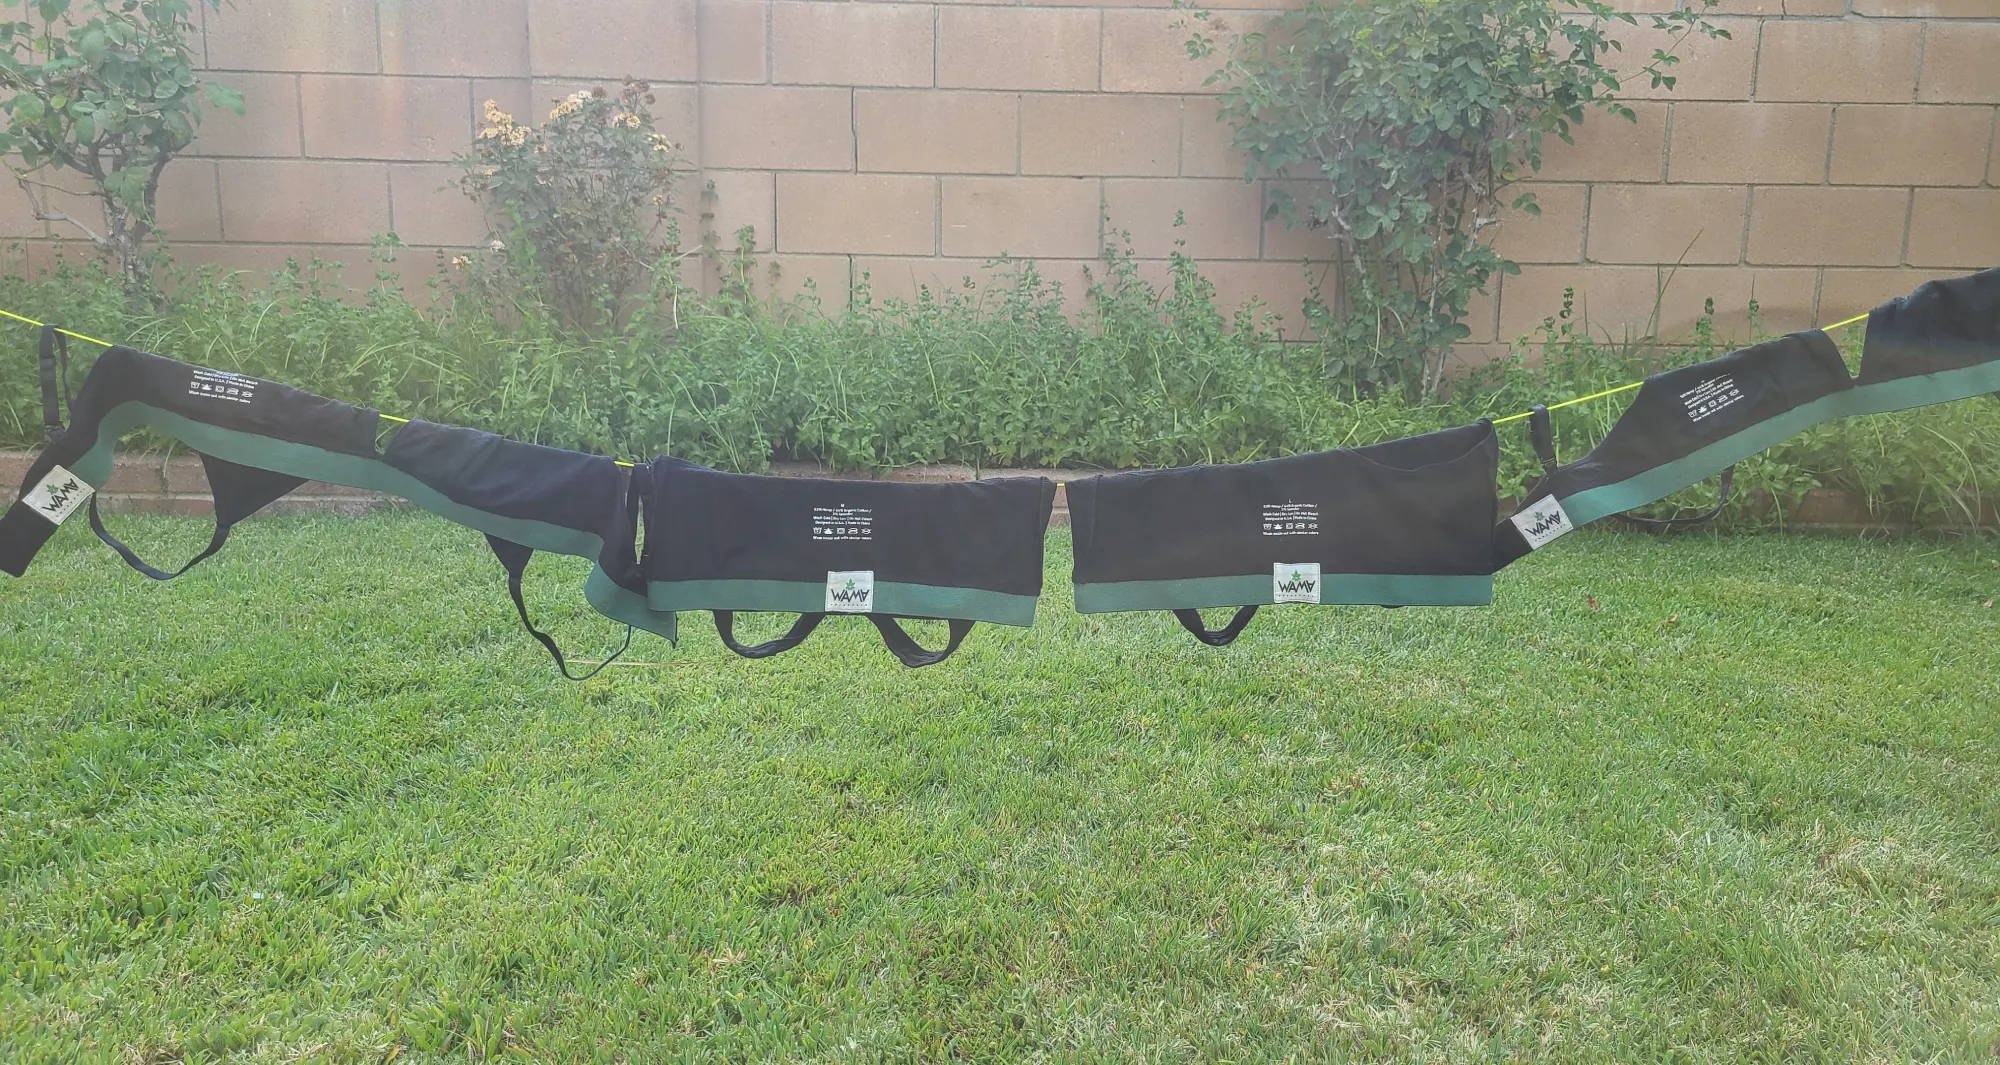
(224, 97)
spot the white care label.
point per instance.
(1710, 396)
(218, 384)
(843, 523)
(850, 591)
(58, 495)
(1291, 519)
(1542, 521)
(1295, 582)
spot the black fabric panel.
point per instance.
(702, 524)
(588, 493)
(1943, 325)
(257, 406)
(1423, 505)
(124, 374)
(22, 534)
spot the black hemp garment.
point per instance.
(257, 440)
(1403, 523)
(963, 552)
(527, 498)
(1684, 426)
(1937, 344)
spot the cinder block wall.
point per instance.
(1832, 153)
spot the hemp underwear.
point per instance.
(258, 440)
(1403, 523)
(962, 552)
(1684, 426)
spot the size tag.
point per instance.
(1542, 521)
(58, 495)
(1295, 582)
(850, 591)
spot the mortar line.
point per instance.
(1909, 215)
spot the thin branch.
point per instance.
(64, 216)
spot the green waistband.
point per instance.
(1340, 589)
(809, 597)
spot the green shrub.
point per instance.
(993, 376)
(108, 91)
(1406, 121)
(580, 207)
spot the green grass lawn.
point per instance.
(1673, 799)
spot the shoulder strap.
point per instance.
(54, 346)
(1724, 487)
(1541, 433)
(907, 650)
(238, 491)
(725, 627)
(1222, 637)
(514, 558)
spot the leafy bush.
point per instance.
(992, 377)
(105, 89)
(1408, 119)
(581, 207)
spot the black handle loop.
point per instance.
(53, 360)
(725, 627)
(238, 491)
(907, 649)
(1541, 433)
(132, 558)
(1724, 488)
(514, 559)
(1222, 637)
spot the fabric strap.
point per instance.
(906, 649)
(899, 642)
(725, 627)
(514, 559)
(239, 491)
(53, 360)
(1222, 637)
(1542, 434)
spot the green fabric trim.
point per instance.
(809, 597)
(609, 599)
(1337, 589)
(1923, 390)
(372, 474)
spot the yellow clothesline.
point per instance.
(1862, 317)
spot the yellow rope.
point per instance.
(65, 332)
(1497, 421)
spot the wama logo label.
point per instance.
(58, 495)
(1295, 582)
(1542, 521)
(850, 591)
